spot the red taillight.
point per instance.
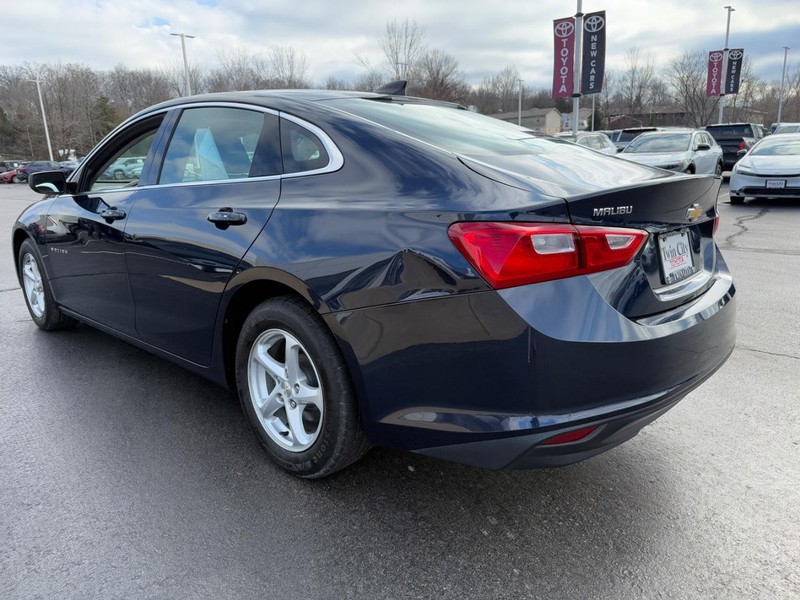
(570, 436)
(716, 225)
(742, 145)
(511, 254)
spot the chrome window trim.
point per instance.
(335, 157)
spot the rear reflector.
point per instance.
(570, 436)
(511, 254)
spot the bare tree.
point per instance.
(403, 44)
(288, 68)
(635, 86)
(436, 75)
(686, 76)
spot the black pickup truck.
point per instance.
(734, 137)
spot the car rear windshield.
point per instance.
(672, 142)
(457, 130)
(627, 136)
(788, 129)
(730, 130)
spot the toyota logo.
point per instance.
(735, 55)
(715, 57)
(594, 23)
(564, 29)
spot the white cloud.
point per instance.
(484, 37)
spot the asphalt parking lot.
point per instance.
(124, 476)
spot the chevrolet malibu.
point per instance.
(369, 269)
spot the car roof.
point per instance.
(285, 98)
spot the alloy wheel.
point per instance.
(285, 390)
(34, 288)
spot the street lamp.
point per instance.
(730, 9)
(38, 82)
(783, 81)
(183, 37)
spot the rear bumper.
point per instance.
(527, 451)
(497, 373)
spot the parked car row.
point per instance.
(18, 171)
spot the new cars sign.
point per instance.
(564, 39)
(594, 52)
(734, 71)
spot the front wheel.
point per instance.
(38, 297)
(296, 391)
(16, 179)
(718, 170)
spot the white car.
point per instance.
(770, 168)
(683, 150)
(591, 139)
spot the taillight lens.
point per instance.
(742, 145)
(511, 254)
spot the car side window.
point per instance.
(123, 163)
(221, 143)
(595, 143)
(302, 150)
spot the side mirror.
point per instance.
(703, 147)
(48, 182)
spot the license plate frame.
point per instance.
(675, 256)
(775, 184)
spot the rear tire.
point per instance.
(295, 390)
(36, 289)
(737, 199)
(718, 170)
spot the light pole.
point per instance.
(183, 37)
(730, 9)
(519, 105)
(577, 65)
(783, 82)
(38, 82)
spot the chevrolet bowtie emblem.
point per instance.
(694, 212)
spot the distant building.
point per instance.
(543, 120)
(584, 119)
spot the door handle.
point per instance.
(225, 217)
(112, 214)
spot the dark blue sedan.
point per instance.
(375, 269)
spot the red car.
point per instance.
(9, 176)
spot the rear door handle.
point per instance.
(112, 214)
(225, 217)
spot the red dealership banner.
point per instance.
(564, 43)
(714, 81)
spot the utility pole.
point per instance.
(519, 105)
(783, 82)
(577, 65)
(730, 9)
(38, 82)
(187, 82)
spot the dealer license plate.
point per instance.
(776, 184)
(675, 253)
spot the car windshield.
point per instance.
(672, 142)
(788, 129)
(459, 131)
(777, 147)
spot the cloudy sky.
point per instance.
(484, 36)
